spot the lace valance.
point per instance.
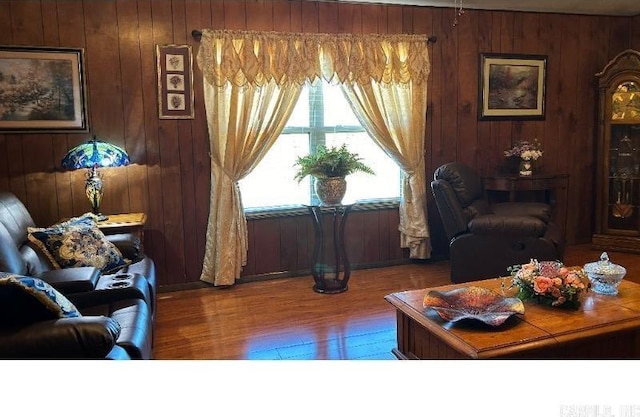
(242, 57)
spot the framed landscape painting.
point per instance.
(42, 90)
(512, 86)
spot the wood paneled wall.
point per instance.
(285, 243)
(169, 179)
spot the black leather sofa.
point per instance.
(116, 309)
(485, 239)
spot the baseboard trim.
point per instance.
(615, 243)
(304, 273)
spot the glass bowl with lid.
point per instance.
(604, 275)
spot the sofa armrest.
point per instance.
(67, 338)
(113, 288)
(492, 224)
(72, 280)
(128, 244)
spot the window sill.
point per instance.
(292, 211)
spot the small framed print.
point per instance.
(512, 86)
(175, 81)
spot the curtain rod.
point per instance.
(197, 35)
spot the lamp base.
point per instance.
(94, 189)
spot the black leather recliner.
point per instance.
(118, 309)
(101, 329)
(18, 256)
(485, 239)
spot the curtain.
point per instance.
(252, 81)
(393, 111)
(246, 112)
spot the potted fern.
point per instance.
(330, 166)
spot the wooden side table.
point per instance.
(125, 223)
(555, 187)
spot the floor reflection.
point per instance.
(365, 337)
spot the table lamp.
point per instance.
(92, 155)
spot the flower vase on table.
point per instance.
(527, 152)
(548, 282)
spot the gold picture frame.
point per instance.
(175, 81)
(512, 86)
(42, 90)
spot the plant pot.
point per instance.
(331, 190)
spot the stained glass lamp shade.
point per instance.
(92, 155)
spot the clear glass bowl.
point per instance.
(604, 275)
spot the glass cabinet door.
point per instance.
(624, 162)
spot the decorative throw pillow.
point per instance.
(25, 300)
(77, 242)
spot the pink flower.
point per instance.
(525, 150)
(542, 284)
(573, 280)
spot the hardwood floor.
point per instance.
(285, 319)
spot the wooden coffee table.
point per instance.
(603, 327)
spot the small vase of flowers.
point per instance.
(526, 152)
(549, 282)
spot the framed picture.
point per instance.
(42, 89)
(512, 86)
(175, 81)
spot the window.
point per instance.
(322, 116)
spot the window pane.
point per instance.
(271, 183)
(337, 111)
(300, 115)
(362, 186)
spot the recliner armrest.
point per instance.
(492, 224)
(67, 338)
(72, 280)
(112, 288)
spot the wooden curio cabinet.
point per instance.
(618, 165)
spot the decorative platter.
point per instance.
(476, 303)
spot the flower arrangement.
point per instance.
(549, 283)
(525, 150)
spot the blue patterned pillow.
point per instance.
(25, 300)
(77, 242)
